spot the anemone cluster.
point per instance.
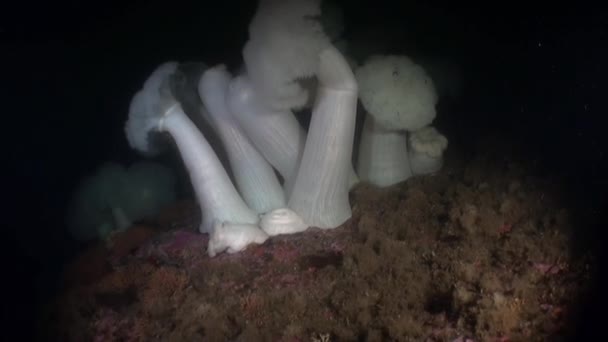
(288, 178)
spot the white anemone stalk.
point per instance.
(277, 134)
(254, 176)
(154, 108)
(320, 192)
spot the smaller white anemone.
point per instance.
(426, 150)
(399, 97)
(282, 221)
(233, 237)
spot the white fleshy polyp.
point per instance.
(426, 150)
(282, 221)
(233, 238)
